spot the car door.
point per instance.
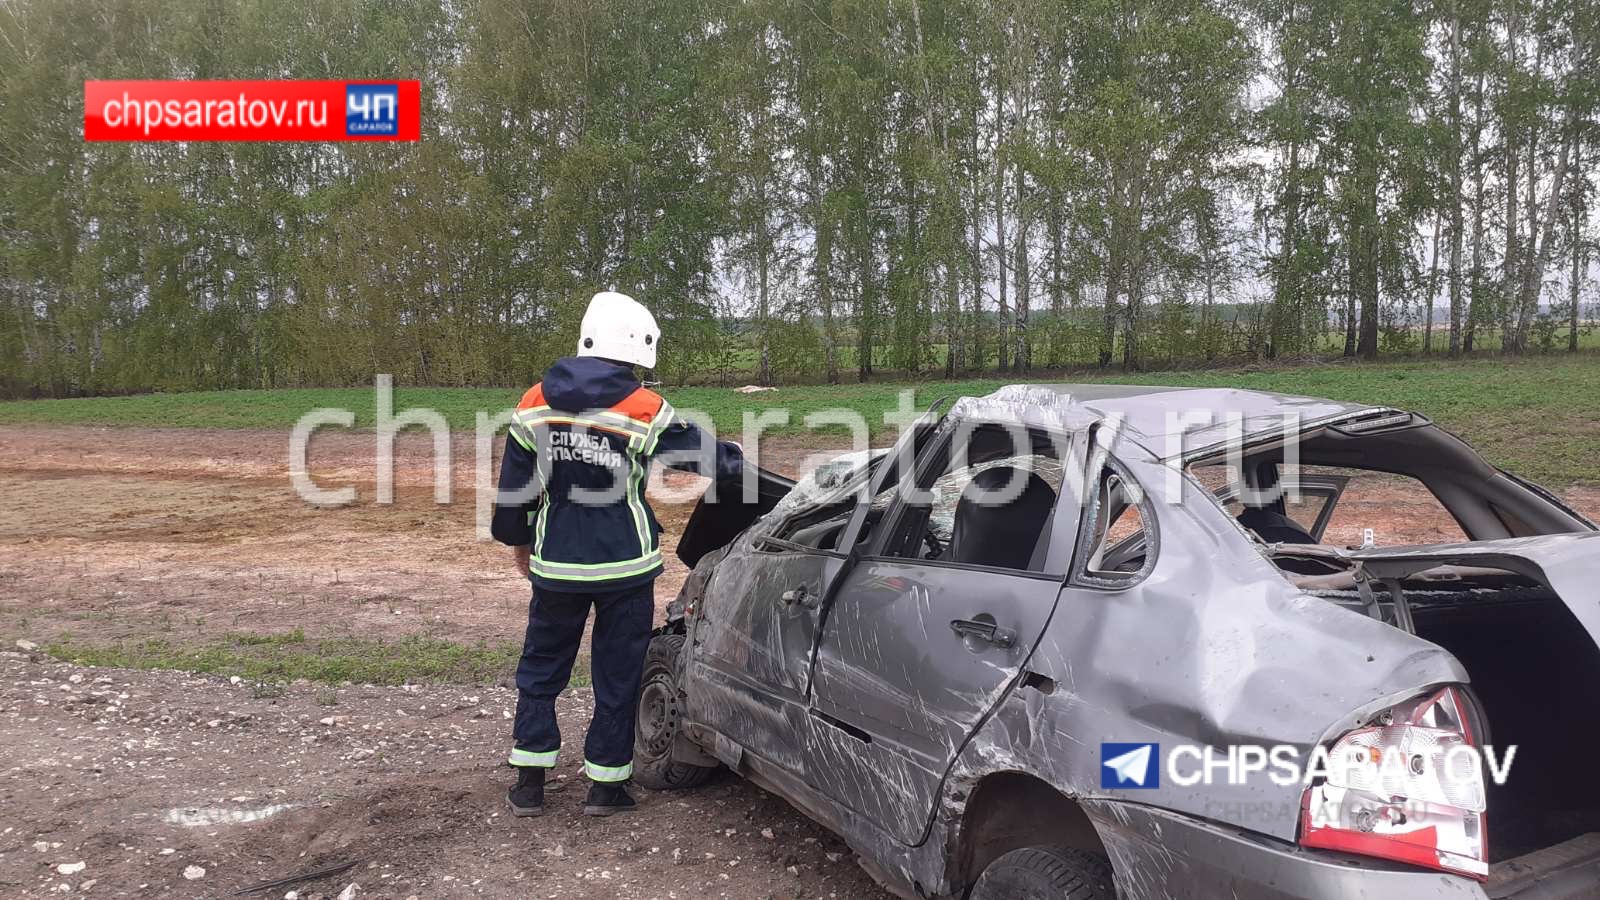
(751, 664)
(913, 655)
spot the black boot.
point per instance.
(607, 798)
(527, 798)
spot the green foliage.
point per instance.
(813, 190)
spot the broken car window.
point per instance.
(1116, 536)
(1395, 509)
(989, 505)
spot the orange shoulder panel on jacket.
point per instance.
(534, 397)
(641, 405)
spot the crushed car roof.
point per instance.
(1156, 415)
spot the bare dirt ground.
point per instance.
(162, 784)
(183, 535)
(108, 535)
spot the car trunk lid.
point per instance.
(1568, 563)
(713, 524)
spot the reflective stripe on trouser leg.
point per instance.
(621, 636)
(555, 626)
(545, 760)
(607, 773)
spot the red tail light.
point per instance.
(1408, 787)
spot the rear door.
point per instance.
(916, 650)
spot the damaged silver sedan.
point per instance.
(1057, 694)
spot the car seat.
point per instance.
(1274, 527)
(1000, 534)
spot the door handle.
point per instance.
(984, 631)
(799, 595)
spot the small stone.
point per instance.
(213, 723)
(72, 868)
(766, 833)
(833, 857)
(349, 893)
(194, 873)
(236, 681)
(292, 895)
(167, 851)
(27, 646)
(555, 851)
(793, 870)
(76, 678)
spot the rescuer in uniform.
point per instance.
(572, 507)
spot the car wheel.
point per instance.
(1036, 873)
(658, 721)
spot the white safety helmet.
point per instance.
(618, 327)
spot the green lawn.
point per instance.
(276, 658)
(1539, 416)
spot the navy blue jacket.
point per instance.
(575, 467)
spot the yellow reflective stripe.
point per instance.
(533, 418)
(523, 437)
(545, 759)
(595, 571)
(538, 538)
(620, 430)
(641, 523)
(607, 773)
(658, 425)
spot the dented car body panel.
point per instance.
(881, 694)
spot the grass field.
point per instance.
(275, 658)
(1538, 416)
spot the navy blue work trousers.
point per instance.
(621, 635)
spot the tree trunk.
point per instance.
(822, 275)
(1022, 271)
(1575, 279)
(1286, 299)
(763, 274)
(1475, 290)
(1057, 289)
(1000, 229)
(953, 228)
(1539, 251)
(1131, 315)
(867, 308)
(1525, 313)
(1433, 285)
(1108, 330)
(1352, 283)
(1368, 346)
(1508, 276)
(1455, 178)
(975, 204)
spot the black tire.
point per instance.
(1038, 873)
(656, 726)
